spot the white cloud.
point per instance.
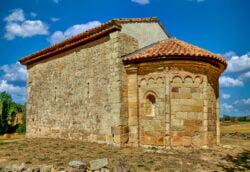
(54, 19)
(228, 108)
(33, 14)
(17, 93)
(26, 29)
(17, 25)
(239, 64)
(245, 76)
(14, 72)
(16, 15)
(226, 96)
(71, 31)
(142, 2)
(226, 81)
(56, 1)
(243, 101)
(228, 54)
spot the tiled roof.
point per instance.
(172, 48)
(83, 37)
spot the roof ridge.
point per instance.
(109, 25)
(141, 49)
(174, 47)
(185, 44)
(125, 20)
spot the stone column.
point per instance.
(133, 106)
(167, 108)
(205, 111)
(218, 121)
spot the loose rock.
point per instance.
(227, 146)
(77, 164)
(104, 170)
(149, 151)
(70, 169)
(32, 169)
(46, 168)
(98, 164)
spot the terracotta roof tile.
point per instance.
(170, 48)
(107, 27)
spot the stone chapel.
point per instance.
(125, 83)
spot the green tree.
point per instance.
(22, 127)
(226, 118)
(8, 111)
(5, 101)
(242, 118)
(5, 96)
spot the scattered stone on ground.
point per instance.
(98, 164)
(227, 146)
(41, 154)
(77, 164)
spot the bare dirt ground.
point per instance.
(59, 152)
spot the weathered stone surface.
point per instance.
(88, 93)
(71, 87)
(70, 169)
(46, 168)
(227, 146)
(14, 168)
(77, 164)
(98, 164)
(182, 141)
(33, 169)
(104, 170)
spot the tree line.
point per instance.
(8, 111)
(235, 119)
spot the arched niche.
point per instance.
(188, 80)
(149, 104)
(177, 79)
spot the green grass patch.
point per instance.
(14, 159)
(141, 165)
(60, 164)
(151, 162)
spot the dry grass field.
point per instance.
(232, 127)
(59, 152)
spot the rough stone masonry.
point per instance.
(125, 83)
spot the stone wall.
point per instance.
(187, 101)
(212, 111)
(184, 110)
(77, 94)
(145, 33)
(152, 106)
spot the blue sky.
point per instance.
(220, 26)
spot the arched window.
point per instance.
(150, 105)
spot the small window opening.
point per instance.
(150, 105)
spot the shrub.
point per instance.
(21, 128)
